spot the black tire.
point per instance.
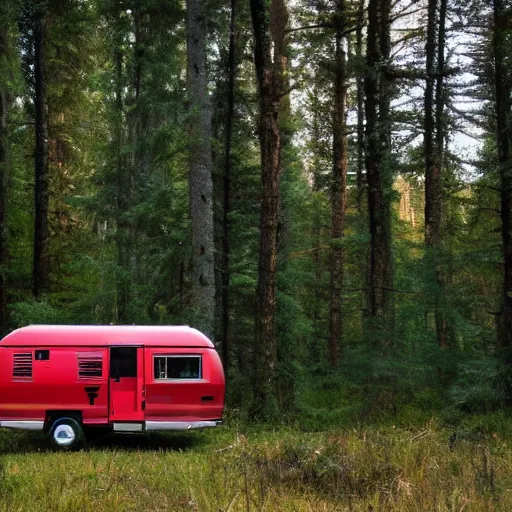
(67, 434)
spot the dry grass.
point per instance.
(358, 470)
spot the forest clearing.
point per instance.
(360, 469)
(321, 187)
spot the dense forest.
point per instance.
(324, 187)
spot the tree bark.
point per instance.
(360, 179)
(41, 236)
(3, 185)
(226, 191)
(122, 237)
(503, 92)
(129, 165)
(385, 97)
(269, 23)
(432, 208)
(440, 89)
(442, 326)
(200, 177)
(377, 158)
(339, 188)
(317, 350)
(434, 136)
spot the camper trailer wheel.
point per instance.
(66, 434)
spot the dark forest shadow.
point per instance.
(146, 442)
(34, 442)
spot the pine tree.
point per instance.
(200, 181)
(6, 22)
(269, 23)
(34, 23)
(339, 182)
(378, 172)
(501, 45)
(434, 146)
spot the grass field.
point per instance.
(373, 469)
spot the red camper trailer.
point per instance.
(64, 379)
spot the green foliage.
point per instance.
(120, 242)
(480, 385)
(37, 312)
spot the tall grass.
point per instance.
(364, 469)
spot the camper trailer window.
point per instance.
(123, 362)
(177, 367)
(42, 355)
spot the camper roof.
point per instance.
(105, 335)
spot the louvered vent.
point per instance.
(90, 365)
(22, 366)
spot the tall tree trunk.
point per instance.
(503, 92)
(131, 167)
(432, 176)
(226, 191)
(122, 292)
(360, 180)
(378, 159)
(433, 148)
(339, 188)
(269, 23)
(440, 89)
(3, 184)
(385, 90)
(442, 327)
(387, 163)
(317, 349)
(200, 177)
(41, 236)
(138, 54)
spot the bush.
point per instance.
(479, 386)
(31, 312)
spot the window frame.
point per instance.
(127, 358)
(43, 352)
(177, 356)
